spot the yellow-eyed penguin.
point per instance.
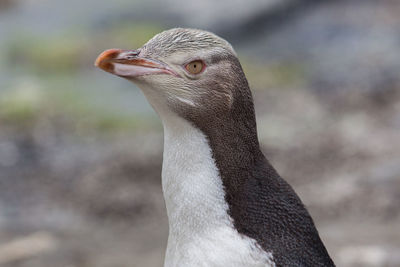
(226, 205)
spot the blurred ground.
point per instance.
(80, 150)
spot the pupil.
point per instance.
(194, 66)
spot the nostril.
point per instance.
(131, 54)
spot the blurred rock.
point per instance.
(26, 247)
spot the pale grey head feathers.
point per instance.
(212, 91)
(184, 40)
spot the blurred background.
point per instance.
(80, 150)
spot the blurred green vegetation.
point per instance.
(31, 101)
(50, 77)
(74, 49)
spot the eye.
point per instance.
(195, 67)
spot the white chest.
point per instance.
(201, 232)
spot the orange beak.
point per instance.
(129, 64)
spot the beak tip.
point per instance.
(106, 55)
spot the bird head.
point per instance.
(188, 71)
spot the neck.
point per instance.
(199, 224)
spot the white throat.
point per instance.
(201, 232)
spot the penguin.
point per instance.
(226, 204)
